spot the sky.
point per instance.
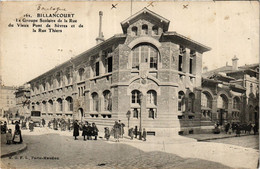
(228, 28)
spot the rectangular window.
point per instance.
(135, 113)
(191, 62)
(180, 63)
(97, 69)
(153, 59)
(179, 105)
(110, 64)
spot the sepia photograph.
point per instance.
(129, 84)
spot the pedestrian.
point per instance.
(9, 136)
(255, 129)
(227, 127)
(144, 134)
(131, 133)
(107, 133)
(84, 131)
(89, 131)
(31, 125)
(116, 129)
(238, 130)
(4, 128)
(122, 125)
(75, 129)
(55, 124)
(17, 134)
(94, 131)
(136, 132)
(43, 122)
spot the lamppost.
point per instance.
(140, 127)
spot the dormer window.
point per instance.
(134, 31)
(155, 30)
(144, 29)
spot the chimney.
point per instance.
(100, 37)
(234, 63)
(205, 69)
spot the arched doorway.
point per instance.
(80, 114)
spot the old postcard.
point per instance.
(129, 84)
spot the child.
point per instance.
(9, 136)
(144, 134)
(107, 134)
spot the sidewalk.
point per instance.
(12, 149)
(206, 137)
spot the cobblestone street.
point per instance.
(251, 141)
(69, 153)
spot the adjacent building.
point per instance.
(231, 93)
(7, 99)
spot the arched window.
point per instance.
(60, 106)
(136, 97)
(145, 53)
(144, 29)
(155, 30)
(107, 100)
(33, 106)
(95, 101)
(38, 106)
(134, 31)
(181, 101)
(44, 106)
(191, 100)
(152, 97)
(69, 103)
(206, 100)
(236, 103)
(222, 101)
(50, 106)
(69, 75)
(81, 73)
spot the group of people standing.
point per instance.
(238, 128)
(87, 130)
(15, 138)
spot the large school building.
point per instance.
(146, 76)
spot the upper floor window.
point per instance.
(180, 66)
(96, 73)
(251, 88)
(81, 74)
(69, 103)
(136, 96)
(109, 64)
(144, 29)
(95, 102)
(151, 97)
(155, 30)
(134, 31)
(236, 103)
(58, 78)
(145, 53)
(60, 106)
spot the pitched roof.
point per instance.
(151, 14)
(192, 44)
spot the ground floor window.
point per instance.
(206, 114)
(135, 112)
(152, 113)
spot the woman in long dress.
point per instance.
(75, 129)
(17, 134)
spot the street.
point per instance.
(55, 149)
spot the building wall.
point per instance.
(7, 98)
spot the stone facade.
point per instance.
(148, 71)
